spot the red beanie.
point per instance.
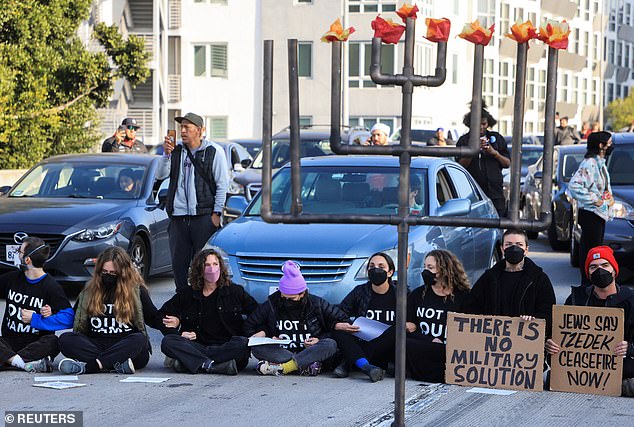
(603, 252)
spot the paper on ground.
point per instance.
(253, 341)
(58, 385)
(369, 329)
(61, 378)
(490, 391)
(143, 380)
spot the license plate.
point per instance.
(273, 289)
(12, 254)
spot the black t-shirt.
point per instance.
(594, 301)
(484, 168)
(382, 307)
(509, 281)
(429, 312)
(19, 294)
(292, 325)
(211, 330)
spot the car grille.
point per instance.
(314, 270)
(53, 240)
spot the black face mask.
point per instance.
(109, 281)
(514, 254)
(601, 278)
(290, 304)
(429, 278)
(377, 276)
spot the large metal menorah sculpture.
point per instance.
(405, 150)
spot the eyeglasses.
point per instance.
(132, 128)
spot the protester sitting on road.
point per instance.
(294, 314)
(110, 316)
(36, 307)
(446, 287)
(602, 269)
(209, 315)
(375, 300)
(515, 286)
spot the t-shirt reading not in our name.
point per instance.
(290, 325)
(429, 312)
(382, 307)
(20, 294)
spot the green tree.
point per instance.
(50, 85)
(620, 112)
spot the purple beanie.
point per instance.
(292, 282)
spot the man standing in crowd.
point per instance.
(199, 178)
(602, 269)
(124, 144)
(438, 138)
(566, 135)
(379, 134)
(494, 156)
(515, 286)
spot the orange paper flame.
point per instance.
(554, 34)
(477, 34)
(389, 31)
(407, 11)
(437, 29)
(522, 33)
(336, 32)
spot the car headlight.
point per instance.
(235, 188)
(622, 209)
(98, 233)
(362, 274)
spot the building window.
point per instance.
(305, 121)
(486, 12)
(305, 59)
(216, 66)
(454, 68)
(611, 49)
(371, 6)
(304, 1)
(360, 58)
(216, 127)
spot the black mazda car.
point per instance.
(81, 204)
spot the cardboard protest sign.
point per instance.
(495, 352)
(586, 362)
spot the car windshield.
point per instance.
(620, 165)
(348, 190)
(528, 156)
(82, 180)
(280, 151)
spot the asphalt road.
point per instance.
(252, 400)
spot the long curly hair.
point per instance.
(451, 274)
(197, 270)
(128, 279)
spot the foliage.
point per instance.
(620, 112)
(50, 84)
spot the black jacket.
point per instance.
(624, 298)
(205, 191)
(233, 302)
(355, 304)
(320, 316)
(534, 294)
(110, 145)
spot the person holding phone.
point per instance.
(199, 178)
(494, 156)
(124, 140)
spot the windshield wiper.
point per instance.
(78, 196)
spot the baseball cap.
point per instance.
(129, 121)
(192, 118)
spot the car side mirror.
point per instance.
(162, 198)
(455, 207)
(5, 189)
(246, 163)
(539, 175)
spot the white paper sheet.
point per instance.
(253, 341)
(61, 378)
(144, 380)
(369, 329)
(491, 391)
(58, 385)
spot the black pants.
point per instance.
(380, 351)
(628, 368)
(425, 360)
(193, 354)
(187, 236)
(86, 349)
(592, 230)
(27, 348)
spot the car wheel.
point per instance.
(555, 243)
(139, 255)
(574, 252)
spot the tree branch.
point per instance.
(52, 110)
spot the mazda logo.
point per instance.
(19, 237)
